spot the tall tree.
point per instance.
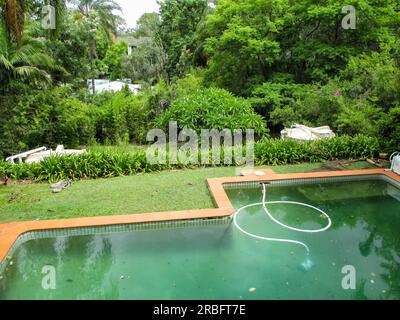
(148, 58)
(27, 62)
(251, 40)
(97, 15)
(13, 12)
(101, 13)
(148, 25)
(179, 21)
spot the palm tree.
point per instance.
(102, 14)
(98, 15)
(13, 13)
(26, 62)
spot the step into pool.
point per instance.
(212, 259)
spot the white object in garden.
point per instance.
(259, 173)
(303, 133)
(23, 155)
(395, 160)
(37, 155)
(61, 185)
(114, 86)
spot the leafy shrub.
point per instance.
(53, 116)
(48, 117)
(276, 152)
(280, 101)
(74, 123)
(357, 117)
(123, 117)
(188, 85)
(267, 152)
(161, 96)
(389, 126)
(356, 101)
(113, 60)
(212, 109)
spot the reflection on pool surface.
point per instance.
(220, 262)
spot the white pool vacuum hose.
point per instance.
(264, 204)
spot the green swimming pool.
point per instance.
(220, 262)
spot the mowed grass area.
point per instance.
(164, 191)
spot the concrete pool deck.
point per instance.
(10, 232)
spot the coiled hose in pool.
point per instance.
(264, 204)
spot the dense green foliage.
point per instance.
(43, 119)
(146, 63)
(113, 60)
(261, 64)
(361, 99)
(251, 40)
(26, 62)
(212, 109)
(52, 116)
(108, 164)
(179, 21)
(274, 152)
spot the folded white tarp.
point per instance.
(303, 133)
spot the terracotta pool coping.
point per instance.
(9, 232)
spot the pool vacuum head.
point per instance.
(307, 264)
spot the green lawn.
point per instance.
(164, 191)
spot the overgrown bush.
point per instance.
(359, 100)
(53, 116)
(48, 117)
(123, 117)
(212, 109)
(389, 126)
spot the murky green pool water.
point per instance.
(219, 262)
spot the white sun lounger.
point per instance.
(37, 155)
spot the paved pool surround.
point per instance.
(10, 232)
